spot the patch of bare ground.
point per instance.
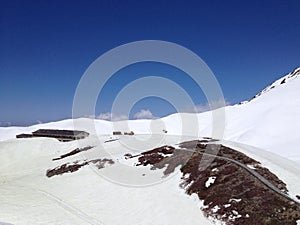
(203, 146)
(75, 166)
(230, 153)
(73, 152)
(235, 196)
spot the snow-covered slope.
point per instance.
(27, 196)
(108, 196)
(269, 121)
(286, 79)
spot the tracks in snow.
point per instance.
(63, 204)
(70, 208)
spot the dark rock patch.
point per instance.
(73, 152)
(110, 140)
(75, 166)
(153, 156)
(100, 163)
(235, 196)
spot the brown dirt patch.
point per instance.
(236, 196)
(75, 166)
(73, 152)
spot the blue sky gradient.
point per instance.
(46, 46)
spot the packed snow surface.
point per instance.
(117, 194)
(88, 196)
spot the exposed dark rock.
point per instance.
(75, 166)
(155, 156)
(73, 152)
(236, 196)
(128, 156)
(110, 140)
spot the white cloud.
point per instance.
(111, 117)
(200, 108)
(143, 114)
(206, 107)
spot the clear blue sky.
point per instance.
(46, 46)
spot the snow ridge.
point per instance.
(283, 80)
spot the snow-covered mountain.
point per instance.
(268, 121)
(287, 78)
(264, 128)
